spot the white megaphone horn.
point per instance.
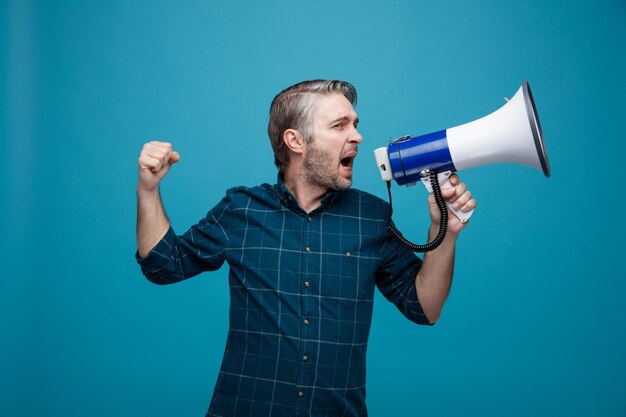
(510, 134)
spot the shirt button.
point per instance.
(309, 218)
(306, 321)
(307, 249)
(307, 283)
(348, 253)
(305, 358)
(300, 394)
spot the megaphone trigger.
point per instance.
(444, 182)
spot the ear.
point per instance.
(293, 140)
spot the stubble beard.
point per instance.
(321, 170)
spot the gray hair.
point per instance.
(293, 108)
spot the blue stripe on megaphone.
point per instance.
(409, 157)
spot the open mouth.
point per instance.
(347, 161)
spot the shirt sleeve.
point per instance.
(395, 278)
(199, 249)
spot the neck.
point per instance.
(308, 196)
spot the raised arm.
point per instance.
(434, 278)
(155, 161)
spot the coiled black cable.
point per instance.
(443, 225)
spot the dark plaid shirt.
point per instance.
(301, 296)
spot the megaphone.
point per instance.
(510, 134)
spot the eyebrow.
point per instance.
(344, 118)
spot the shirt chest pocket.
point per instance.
(347, 277)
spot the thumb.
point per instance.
(174, 158)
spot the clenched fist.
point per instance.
(155, 161)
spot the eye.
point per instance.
(339, 125)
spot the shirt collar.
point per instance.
(287, 199)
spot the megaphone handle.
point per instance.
(444, 182)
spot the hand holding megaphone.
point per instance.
(510, 134)
(444, 183)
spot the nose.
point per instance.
(356, 137)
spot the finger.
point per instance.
(454, 179)
(470, 205)
(149, 163)
(155, 146)
(457, 191)
(163, 154)
(460, 189)
(448, 193)
(462, 200)
(175, 157)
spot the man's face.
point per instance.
(329, 157)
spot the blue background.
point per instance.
(534, 324)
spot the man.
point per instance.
(305, 255)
